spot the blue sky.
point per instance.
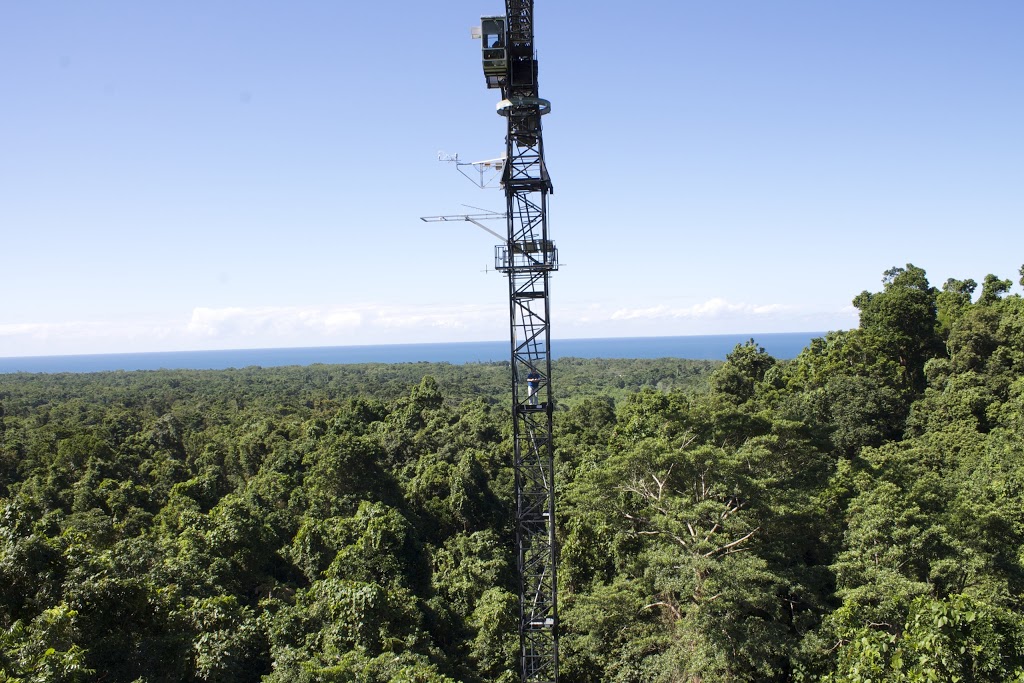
(202, 175)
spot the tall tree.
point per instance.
(902, 320)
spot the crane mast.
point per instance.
(528, 257)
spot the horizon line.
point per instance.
(749, 335)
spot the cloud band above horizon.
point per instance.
(209, 328)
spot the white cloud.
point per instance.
(441, 317)
(263, 326)
(289, 326)
(713, 316)
(19, 329)
(44, 332)
(275, 321)
(712, 308)
(363, 319)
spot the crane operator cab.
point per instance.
(493, 42)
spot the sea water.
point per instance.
(782, 345)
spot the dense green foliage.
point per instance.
(321, 523)
(856, 514)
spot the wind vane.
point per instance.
(487, 171)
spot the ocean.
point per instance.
(703, 347)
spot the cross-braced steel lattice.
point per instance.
(528, 258)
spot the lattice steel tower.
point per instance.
(528, 257)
